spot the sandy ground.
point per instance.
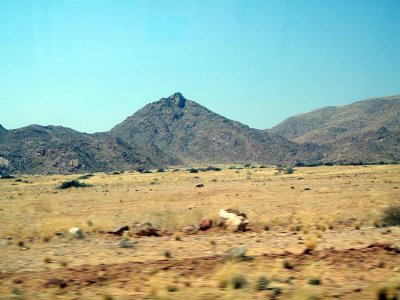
(336, 210)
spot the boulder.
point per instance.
(76, 232)
(145, 229)
(4, 161)
(120, 231)
(237, 253)
(191, 229)
(206, 224)
(233, 219)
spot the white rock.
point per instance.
(76, 232)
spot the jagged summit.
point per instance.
(176, 99)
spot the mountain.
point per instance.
(365, 131)
(55, 149)
(193, 134)
(178, 131)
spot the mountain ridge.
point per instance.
(179, 131)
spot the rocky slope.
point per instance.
(366, 131)
(194, 134)
(54, 149)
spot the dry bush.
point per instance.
(231, 276)
(391, 215)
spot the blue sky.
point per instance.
(89, 64)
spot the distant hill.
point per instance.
(365, 131)
(194, 134)
(55, 149)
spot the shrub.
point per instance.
(193, 170)
(289, 170)
(238, 281)
(160, 170)
(86, 176)
(211, 168)
(72, 183)
(172, 288)
(391, 215)
(314, 281)
(262, 283)
(6, 176)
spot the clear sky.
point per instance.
(88, 64)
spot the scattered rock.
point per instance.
(233, 220)
(18, 281)
(191, 229)
(237, 253)
(287, 265)
(5, 242)
(54, 282)
(126, 243)
(206, 224)
(200, 185)
(76, 232)
(120, 231)
(145, 229)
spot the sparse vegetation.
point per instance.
(87, 176)
(73, 183)
(167, 254)
(289, 170)
(391, 215)
(6, 176)
(262, 283)
(314, 281)
(209, 271)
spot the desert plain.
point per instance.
(314, 234)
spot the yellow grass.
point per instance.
(339, 210)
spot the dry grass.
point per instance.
(340, 200)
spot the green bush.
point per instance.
(289, 170)
(193, 170)
(72, 183)
(87, 176)
(6, 176)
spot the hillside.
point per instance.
(331, 123)
(194, 134)
(367, 130)
(55, 149)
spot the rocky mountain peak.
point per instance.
(176, 99)
(2, 129)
